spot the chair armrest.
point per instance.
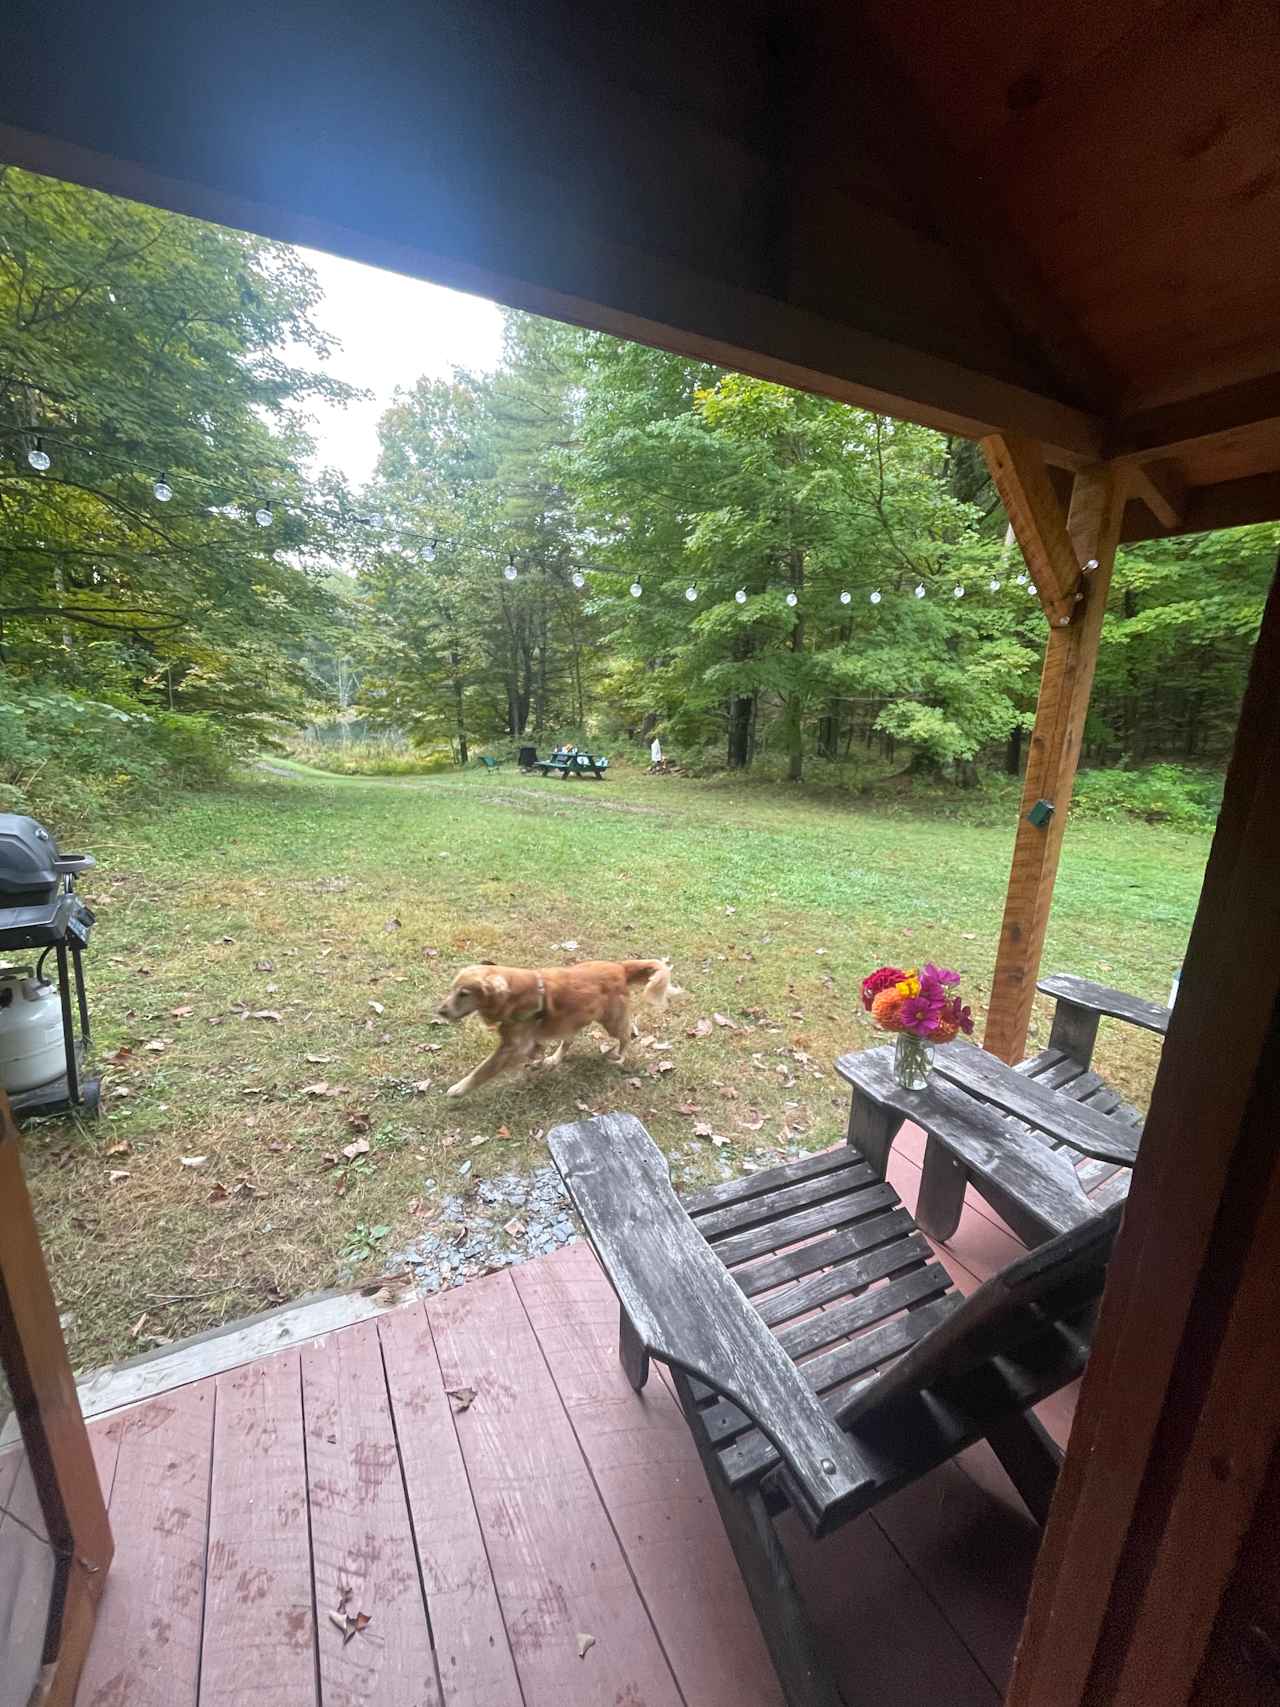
(1081, 1004)
(686, 1309)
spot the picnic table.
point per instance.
(576, 764)
(1048, 1143)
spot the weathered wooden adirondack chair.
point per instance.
(823, 1359)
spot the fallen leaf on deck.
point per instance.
(584, 1642)
(193, 1161)
(463, 1397)
(360, 1147)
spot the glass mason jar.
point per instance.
(912, 1061)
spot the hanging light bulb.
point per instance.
(429, 551)
(510, 572)
(38, 456)
(874, 599)
(691, 593)
(1031, 589)
(957, 592)
(163, 490)
(994, 585)
(262, 515)
(740, 597)
(920, 590)
(1091, 565)
(1021, 579)
(579, 579)
(792, 600)
(636, 589)
(846, 598)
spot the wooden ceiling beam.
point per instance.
(1171, 429)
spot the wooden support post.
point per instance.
(1055, 551)
(1178, 1426)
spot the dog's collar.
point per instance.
(541, 1008)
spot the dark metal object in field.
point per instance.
(40, 909)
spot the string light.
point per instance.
(691, 593)
(792, 600)
(846, 598)
(1091, 565)
(163, 490)
(740, 597)
(1021, 578)
(510, 572)
(957, 592)
(875, 599)
(579, 579)
(994, 585)
(262, 515)
(636, 589)
(920, 590)
(38, 456)
(429, 551)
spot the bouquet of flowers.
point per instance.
(922, 1007)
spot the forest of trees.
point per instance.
(815, 583)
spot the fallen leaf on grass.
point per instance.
(463, 1397)
(717, 1140)
(217, 1195)
(120, 1149)
(118, 1174)
(752, 1125)
(193, 1161)
(275, 1145)
(584, 1642)
(432, 953)
(687, 1108)
(138, 1326)
(158, 1045)
(319, 1060)
(259, 965)
(702, 1028)
(180, 1013)
(392, 925)
(118, 1055)
(360, 1147)
(377, 1007)
(265, 1013)
(421, 1086)
(701, 1129)
(724, 1020)
(636, 1084)
(321, 1088)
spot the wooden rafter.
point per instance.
(1162, 489)
(1052, 550)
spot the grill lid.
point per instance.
(29, 865)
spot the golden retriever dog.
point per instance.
(528, 1009)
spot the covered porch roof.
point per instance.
(1057, 231)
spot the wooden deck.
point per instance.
(487, 1538)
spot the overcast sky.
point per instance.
(392, 329)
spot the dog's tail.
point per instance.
(655, 975)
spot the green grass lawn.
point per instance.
(267, 961)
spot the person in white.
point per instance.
(655, 751)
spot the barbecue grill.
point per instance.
(39, 909)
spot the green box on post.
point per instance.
(1040, 813)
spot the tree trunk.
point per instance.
(1013, 752)
(795, 699)
(741, 710)
(455, 659)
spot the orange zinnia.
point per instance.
(887, 1008)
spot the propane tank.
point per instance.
(32, 1051)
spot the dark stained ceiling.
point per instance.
(1062, 221)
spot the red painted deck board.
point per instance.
(363, 1553)
(557, 1564)
(473, 1654)
(646, 1468)
(146, 1648)
(559, 1502)
(259, 1627)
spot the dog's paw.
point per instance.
(457, 1090)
